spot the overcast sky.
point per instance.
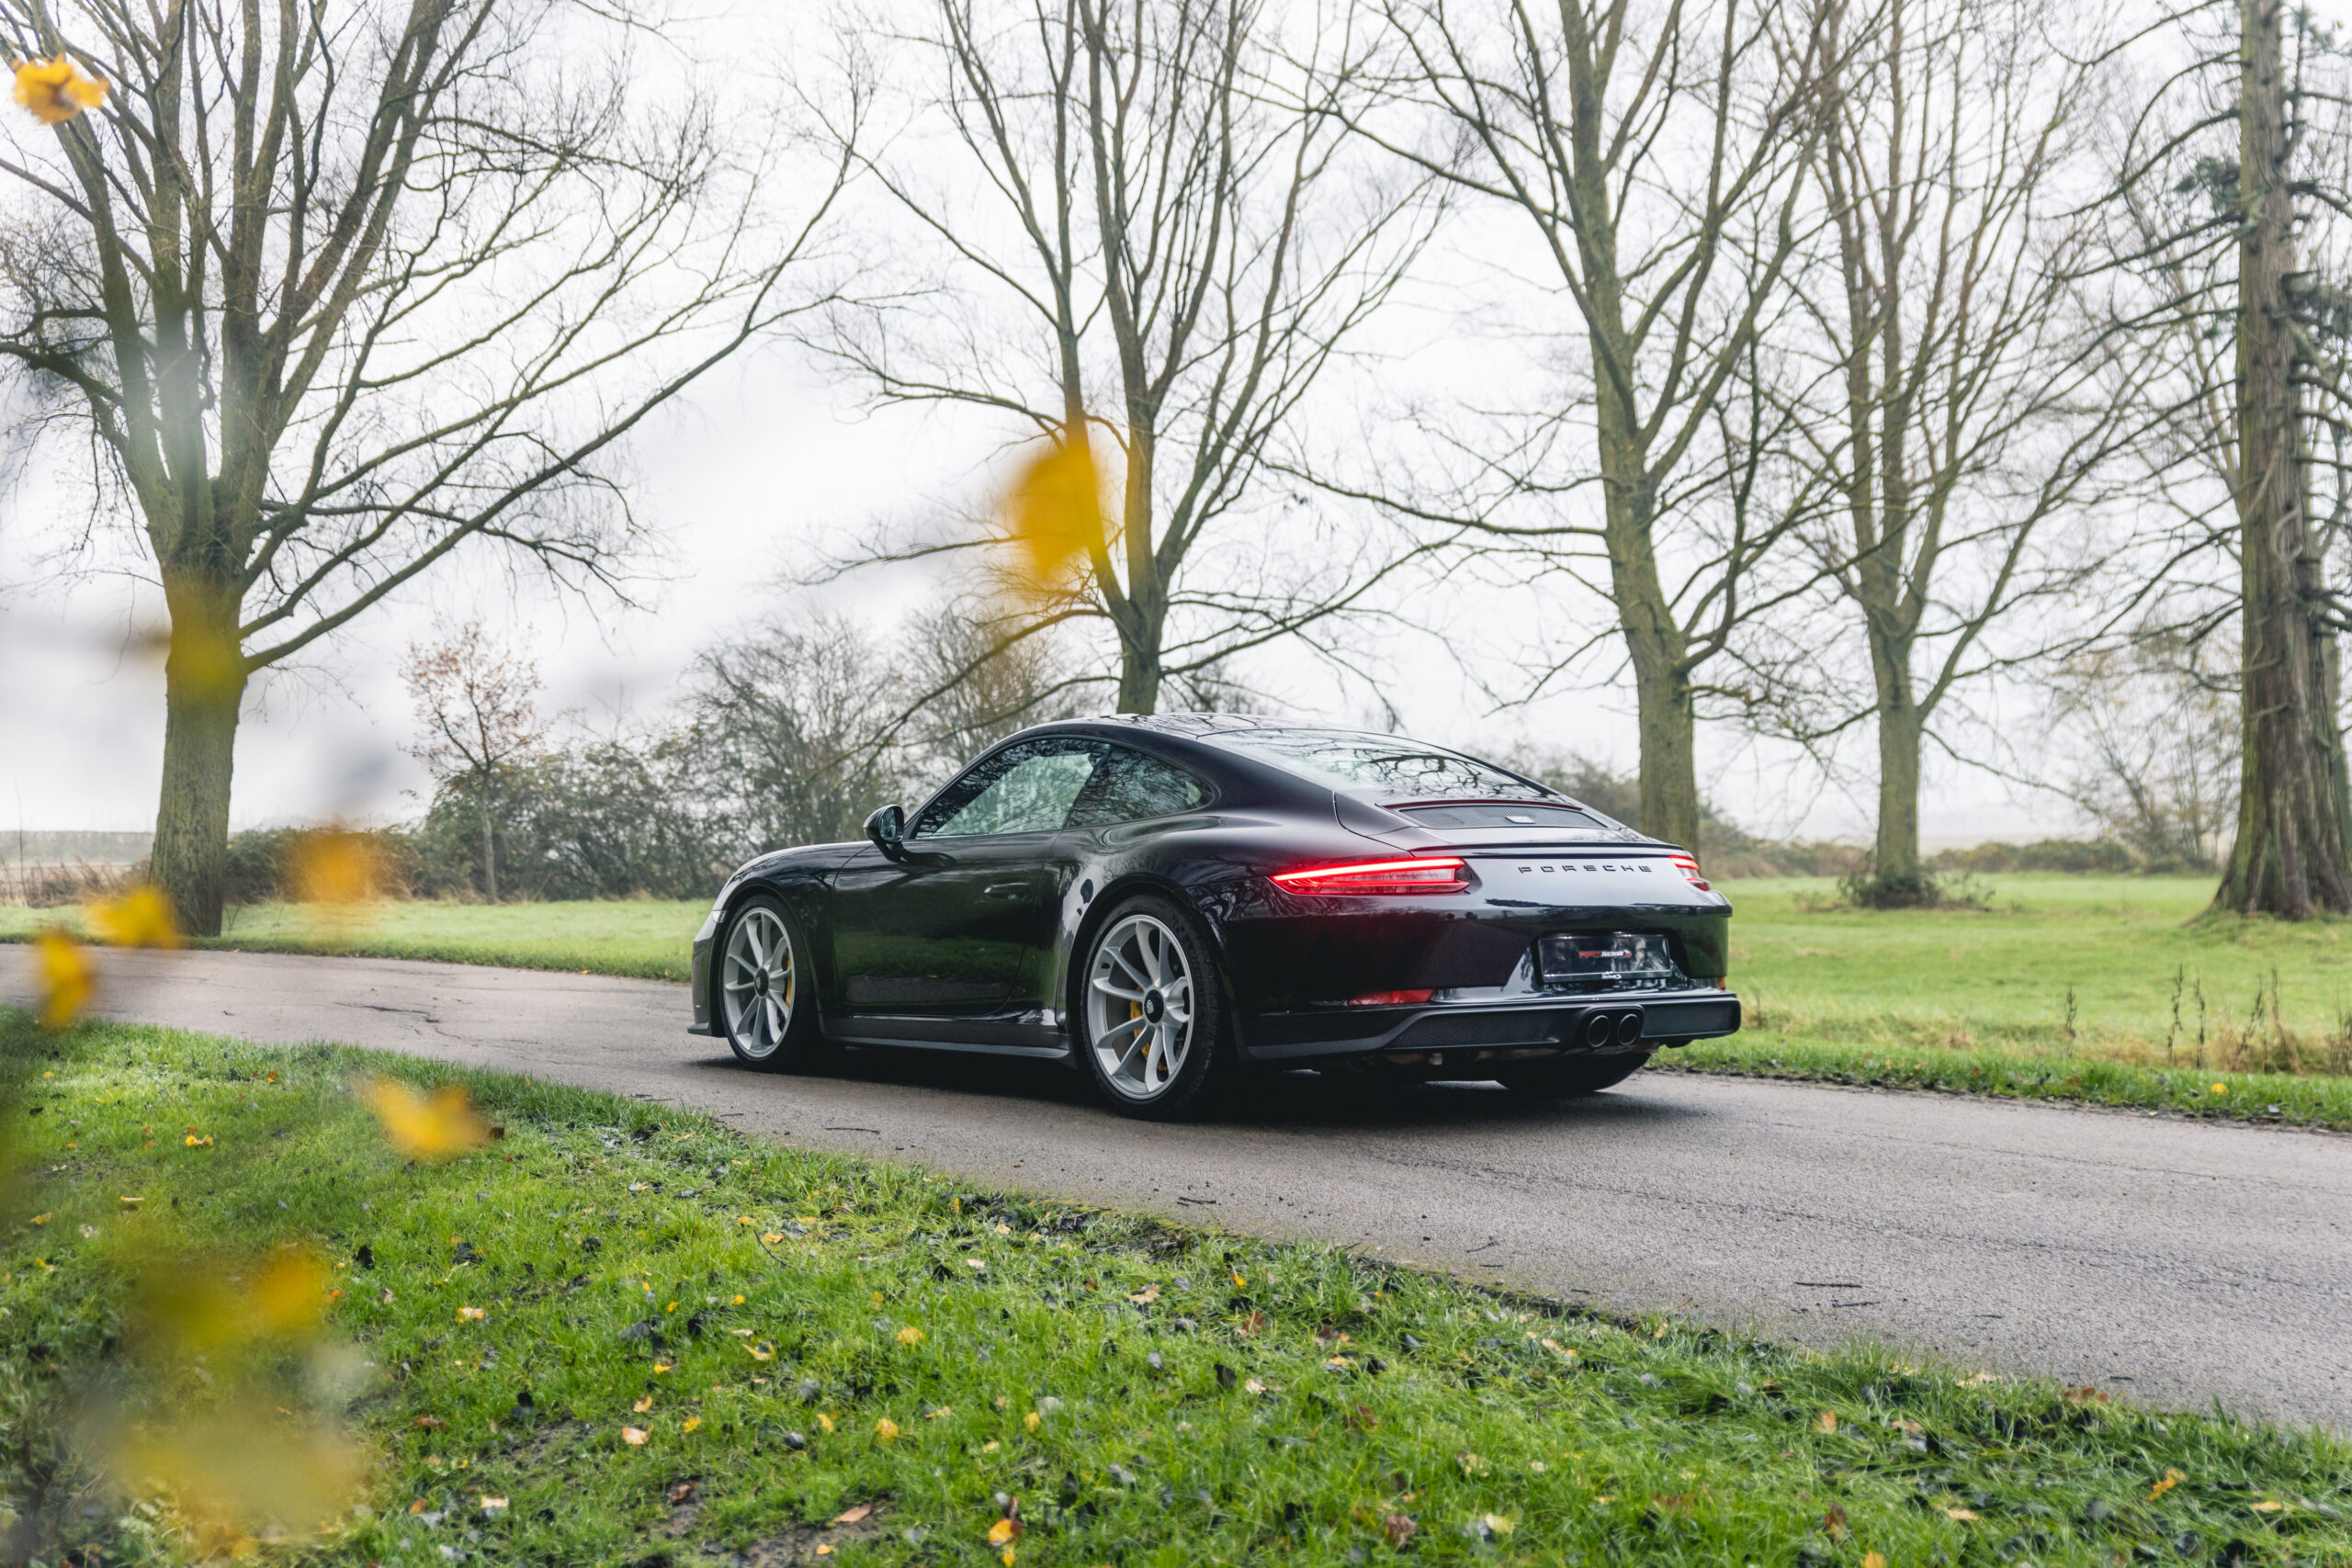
(741, 486)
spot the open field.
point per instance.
(2106, 989)
(817, 1350)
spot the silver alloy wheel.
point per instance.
(757, 982)
(1139, 1007)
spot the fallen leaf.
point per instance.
(1471, 1463)
(642, 1406)
(854, 1515)
(1253, 1386)
(1032, 1420)
(886, 1429)
(693, 1422)
(910, 1335)
(1005, 1530)
(2268, 1506)
(1148, 1296)
(633, 1435)
(1251, 1325)
(2172, 1479)
(493, 1504)
(1825, 1422)
(681, 1492)
(469, 1314)
(1495, 1524)
(1965, 1515)
(1672, 1501)
(1872, 1560)
(824, 1422)
(431, 1423)
(1399, 1528)
(1834, 1522)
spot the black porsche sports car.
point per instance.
(1168, 900)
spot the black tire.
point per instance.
(1564, 1078)
(1204, 1059)
(771, 1029)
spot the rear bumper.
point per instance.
(1534, 1026)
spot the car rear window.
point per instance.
(1501, 814)
(1350, 760)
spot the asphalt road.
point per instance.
(2175, 1262)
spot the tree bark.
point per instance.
(2290, 854)
(204, 686)
(489, 844)
(1897, 873)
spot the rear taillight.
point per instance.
(1689, 870)
(1390, 998)
(1423, 873)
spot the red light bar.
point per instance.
(1423, 873)
(1390, 998)
(1689, 867)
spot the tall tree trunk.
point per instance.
(1143, 621)
(204, 686)
(1896, 875)
(2291, 857)
(489, 844)
(1665, 707)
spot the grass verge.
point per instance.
(836, 1358)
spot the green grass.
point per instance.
(1150, 1395)
(640, 937)
(2111, 990)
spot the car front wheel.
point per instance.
(765, 1003)
(1150, 1022)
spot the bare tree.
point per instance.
(339, 287)
(1156, 231)
(1956, 401)
(2157, 722)
(2234, 179)
(476, 700)
(789, 731)
(1657, 149)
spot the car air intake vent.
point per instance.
(1498, 814)
(1608, 961)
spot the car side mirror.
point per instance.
(887, 830)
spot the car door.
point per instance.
(953, 941)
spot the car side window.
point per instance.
(1129, 787)
(1028, 788)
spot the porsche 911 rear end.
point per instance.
(1499, 936)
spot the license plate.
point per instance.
(1596, 956)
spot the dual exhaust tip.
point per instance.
(1602, 1030)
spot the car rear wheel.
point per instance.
(1566, 1076)
(764, 1003)
(1150, 1023)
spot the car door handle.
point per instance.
(1007, 889)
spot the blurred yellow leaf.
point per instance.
(1032, 1420)
(886, 1429)
(1963, 1515)
(65, 978)
(469, 1314)
(55, 90)
(2172, 1479)
(290, 1293)
(334, 867)
(911, 1335)
(825, 1421)
(140, 918)
(426, 1128)
(633, 1435)
(693, 1422)
(2221, 1088)
(642, 1406)
(1497, 1524)
(2267, 1505)
(1827, 1422)
(1872, 1560)
(231, 1473)
(1054, 512)
(1005, 1530)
